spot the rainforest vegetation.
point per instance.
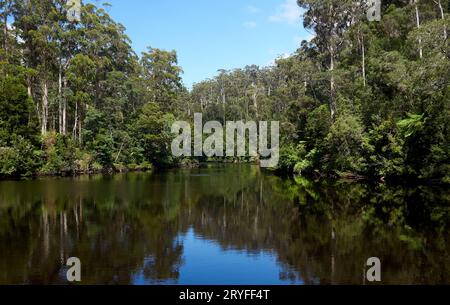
(360, 99)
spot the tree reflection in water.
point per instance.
(128, 225)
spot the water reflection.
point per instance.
(221, 225)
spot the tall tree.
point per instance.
(161, 73)
(329, 19)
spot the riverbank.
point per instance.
(189, 163)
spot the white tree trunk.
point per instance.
(418, 27)
(441, 9)
(255, 100)
(44, 121)
(60, 97)
(332, 50)
(80, 139)
(363, 60)
(80, 122)
(333, 107)
(224, 100)
(75, 124)
(64, 113)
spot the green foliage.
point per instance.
(153, 128)
(103, 146)
(289, 157)
(411, 125)
(347, 137)
(16, 110)
(387, 157)
(162, 77)
(8, 160)
(366, 98)
(20, 160)
(307, 163)
(318, 125)
(59, 155)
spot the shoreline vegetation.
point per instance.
(360, 100)
(192, 163)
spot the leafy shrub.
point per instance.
(59, 154)
(21, 159)
(8, 159)
(290, 155)
(154, 128)
(318, 125)
(103, 147)
(85, 163)
(307, 163)
(345, 146)
(387, 157)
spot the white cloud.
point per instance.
(299, 39)
(250, 24)
(288, 12)
(276, 56)
(283, 56)
(253, 9)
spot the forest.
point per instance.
(360, 99)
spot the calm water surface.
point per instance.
(221, 225)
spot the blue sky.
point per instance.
(209, 35)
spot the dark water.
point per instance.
(221, 225)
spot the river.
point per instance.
(222, 224)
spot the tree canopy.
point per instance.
(359, 99)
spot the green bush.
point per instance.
(60, 155)
(307, 163)
(345, 146)
(85, 163)
(8, 159)
(153, 128)
(17, 114)
(103, 147)
(387, 158)
(19, 160)
(318, 124)
(290, 155)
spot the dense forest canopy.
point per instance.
(361, 98)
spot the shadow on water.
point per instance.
(221, 225)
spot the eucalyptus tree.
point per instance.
(329, 19)
(162, 77)
(440, 5)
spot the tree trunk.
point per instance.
(80, 139)
(363, 47)
(224, 106)
(44, 107)
(441, 9)
(75, 124)
(60, 107)
(333, 107)
(30, 93)
(255, 100)
(64, 112)
(418, 27)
